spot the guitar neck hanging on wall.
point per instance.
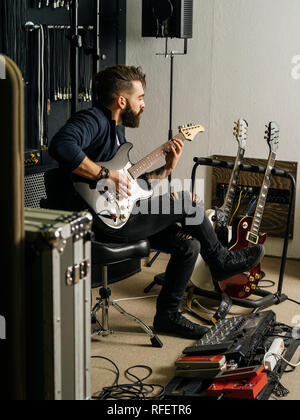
(13, 41)
(30, 36)
(50, 75)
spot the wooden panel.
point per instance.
(275, 215)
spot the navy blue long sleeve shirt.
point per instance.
(90, 133)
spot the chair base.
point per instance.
(104, 303)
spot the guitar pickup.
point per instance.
(110, 197)
(251, 237)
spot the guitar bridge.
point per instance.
(252, 238)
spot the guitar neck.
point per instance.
(150, 160)
(230, 196)
(263, 196)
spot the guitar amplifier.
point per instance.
(58, 304)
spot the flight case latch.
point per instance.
(77, 272)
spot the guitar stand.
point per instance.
(266, 298)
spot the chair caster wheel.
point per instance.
(156, 342)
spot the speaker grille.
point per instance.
(187, 26)
(35, 191)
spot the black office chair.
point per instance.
(107, 254)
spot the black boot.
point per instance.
(175, 324)
(224, 263)
(236, 262)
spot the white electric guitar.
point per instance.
(201, 276)
(113, 209)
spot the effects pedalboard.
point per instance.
(235, 338)
(228, 361)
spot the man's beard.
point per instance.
(130, 118)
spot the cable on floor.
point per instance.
(136, 390)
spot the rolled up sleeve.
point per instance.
(69, 144)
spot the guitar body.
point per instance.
(114, 211)
(243, 285)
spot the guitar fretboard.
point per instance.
(230, 196)
(148, 161)
(263, 195)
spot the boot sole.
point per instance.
(176, 334)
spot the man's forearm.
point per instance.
(158, 174)
(88, 169)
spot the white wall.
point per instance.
(239, 65)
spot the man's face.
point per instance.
(132, 114)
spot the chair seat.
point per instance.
(109, 253)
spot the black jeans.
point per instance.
(176, 225)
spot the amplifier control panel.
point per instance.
(32, 157)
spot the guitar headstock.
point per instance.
(240, 132)
(190, 131)
(272, 136)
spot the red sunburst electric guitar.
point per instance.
(248, 232)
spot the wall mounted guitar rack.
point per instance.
(266, 298)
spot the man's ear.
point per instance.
(121, 102)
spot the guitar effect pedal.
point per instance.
(246, 389)
(204, 367)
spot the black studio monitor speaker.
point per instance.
(167, 19)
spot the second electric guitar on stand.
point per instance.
(201, 276)
(248, 232)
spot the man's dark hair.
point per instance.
(113, 81)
